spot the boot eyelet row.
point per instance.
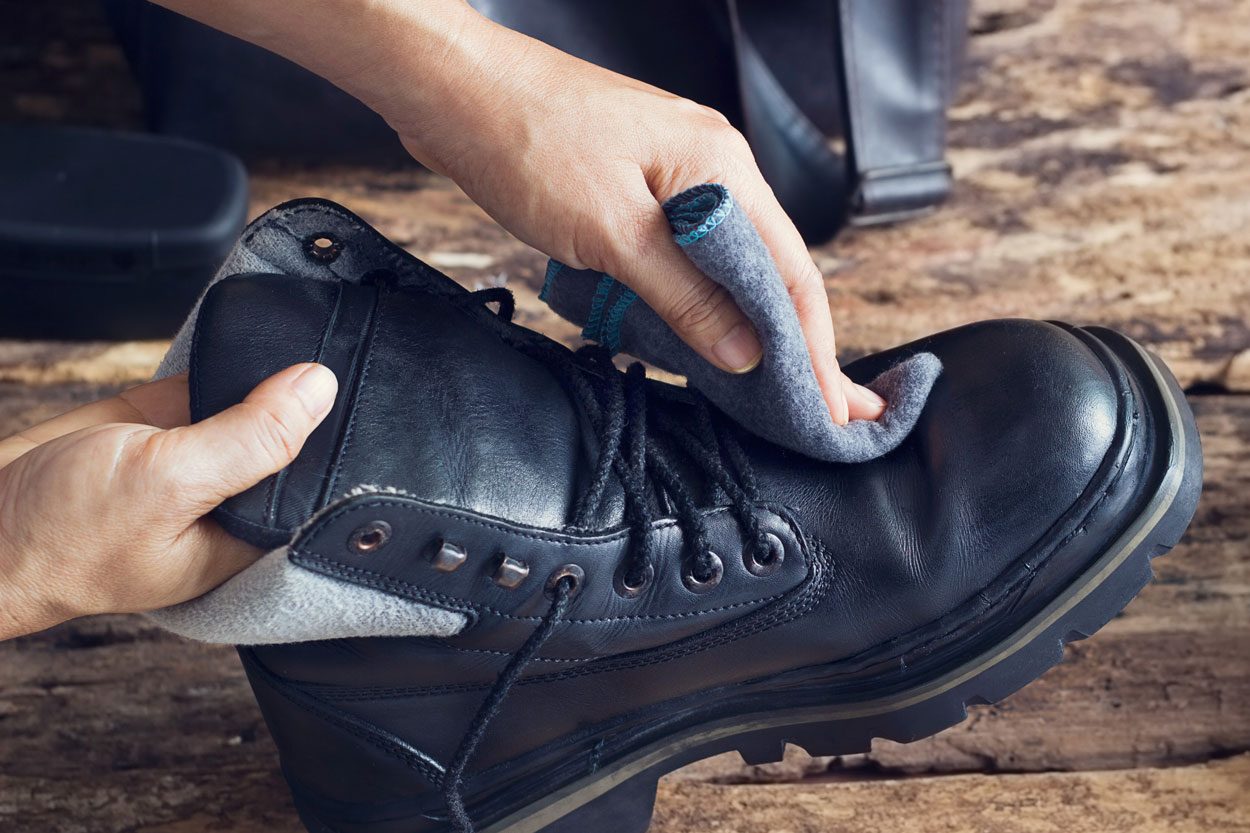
(510, 573)
(758, 564)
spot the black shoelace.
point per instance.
(630, 447)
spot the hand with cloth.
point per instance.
(571, 158)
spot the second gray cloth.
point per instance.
(780, 400)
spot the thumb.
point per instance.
(234, 450)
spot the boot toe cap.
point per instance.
(1020, 421)
(1015, 432)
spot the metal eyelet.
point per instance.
(771, 562)
(694, 585)
(323, 247)
(629, 591)
(568, 571)
(369, 538)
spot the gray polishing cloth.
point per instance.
(274, 601)
(780, 400)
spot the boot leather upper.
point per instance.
(449, 429)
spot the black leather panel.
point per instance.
(367, 761)
(343, 349)
(427, 418)
(430, 427)
(922, 529)
(247, 330)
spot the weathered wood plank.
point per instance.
(1209, 798)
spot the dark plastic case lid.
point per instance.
(135, 203)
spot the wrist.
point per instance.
(22, 608)
(25, 606)
(438, 79)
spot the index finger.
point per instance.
(163, 404)
(805, 284)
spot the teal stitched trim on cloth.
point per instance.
(603, 324)
(594, 322)
(612, 328)
(713, 220)
(553, 268)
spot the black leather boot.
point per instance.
(644, 584)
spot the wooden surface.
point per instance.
(1103, 175)
(1195, 799)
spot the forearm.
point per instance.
(395, 56)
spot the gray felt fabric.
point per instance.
(780, 400)
(274, 601)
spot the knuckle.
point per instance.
(729, 139)
(716, 118)
(150, 459)
(702, 111)
(806, 278)
(609, 241)
(155, 466)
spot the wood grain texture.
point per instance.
(1206, 798)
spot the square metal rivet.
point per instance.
(449, 557)
(510, 572)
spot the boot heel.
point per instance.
(626, 808)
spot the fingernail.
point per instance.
(316, 388)
(739, 350)
(841, 409)
(869, 396)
